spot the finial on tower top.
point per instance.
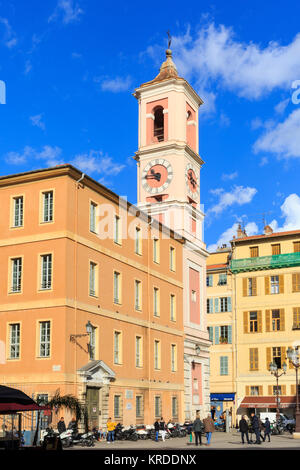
(169, 39)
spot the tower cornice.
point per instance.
(167, 148)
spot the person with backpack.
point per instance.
(197, 428)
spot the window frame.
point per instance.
(43, 192)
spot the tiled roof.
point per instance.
(270, 235)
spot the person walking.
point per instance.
(261, 428)
(162, 428)
(111, 426)
(61, 425)
(197, 428)
(255, 427)
(209, 428)
(156, 428)
(267, 430)
(244, 428)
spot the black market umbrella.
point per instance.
(13, 400)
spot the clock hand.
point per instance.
(153, 176)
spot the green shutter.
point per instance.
(229, 304)
(217, 334)
(216, 305)
(229, 334)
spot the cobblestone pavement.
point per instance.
(219, 440)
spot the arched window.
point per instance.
(158, 124)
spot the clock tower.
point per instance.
(168, 165)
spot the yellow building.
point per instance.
(264, 280)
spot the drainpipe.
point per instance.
(149, 309)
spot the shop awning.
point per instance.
(13, 400)
(268, 402)
(222, 396)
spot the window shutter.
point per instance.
(247, 391)
(211, 333)
(210, 282)
(211, 306)
(293, 389)
(229, 304)
(216, 305)
(294, 282)
(254, 286)
(269, 360)
(267, 285)
(268, 320)
(283, 354)
(283, 389)
(245, 322)
(217, 334)
(282, 319)
(281, 284)
(229, 334)
(260, 390)
(259, 321)
(245, 283)
(270, 390)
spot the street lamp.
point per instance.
(89, 330)
(293, 356)
(274, 371)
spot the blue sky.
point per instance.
(70, 67)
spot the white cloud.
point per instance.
(229, 176)
(224, 120)
(96, 162)
(290, 212)
(248, 69)
(69, 10)
(281, 106)
(239, 195)
(282, 139)
(116, 85)
(48, 153)
(8, 37)
(37, 121)
(28, 67)
(251, 229)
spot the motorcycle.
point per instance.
(71, 437)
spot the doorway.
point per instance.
(92, 401)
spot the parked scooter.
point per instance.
(71, 437)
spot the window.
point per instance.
(18, 211)
(172, 307)
(253, 251)
(14, 341)
(222, 279)
(117, 288)
(93, 209)
(253, 352)
(42, 399)
(93, 268)
(156, 250)
(139, 406)
(47, 206)
(158, 124)
(274, 284)
(224, 365)
(138, 295)
(172, 258)
(276, 249)
(209, 280)
(117, 406)
(44, 350)
(92, 345)
(224, 334)
(253, 320)
(296, 247)
(174, 407)
(138, 242)
(16, 274)
(223, 304)
(173, 357)
(156, 354)
(275, 323)
(46, 271)
(254, 390)
(276, 356)
(117, 230)
(296, 318)
(117, 347)
(138, 351)
(209, 305)
(252, 286)
(296, 282)
(157, 406)
(156, 302)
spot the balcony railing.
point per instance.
(265, 262)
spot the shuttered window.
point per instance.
(210, 306)
(296, 318)
(296, 247)
(157, 406)
(224, 365)
(174, 407)
(296, 282)
(253, 251)
(139, 406)
(211, 333)
(117, 406)
(276, 249)
(209, 280)
(253, 359)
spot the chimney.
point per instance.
(241, 233)
(268, 230)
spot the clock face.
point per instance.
(157, 176)
(192, 180)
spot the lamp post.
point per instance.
(293, 356)
(274, 371)
(89, 330)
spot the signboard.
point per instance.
(129, 394)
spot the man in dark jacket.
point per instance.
(267, 430)
(255, 427)
(244, 428)
(197, 428)
(61, 426)
(156, 428)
